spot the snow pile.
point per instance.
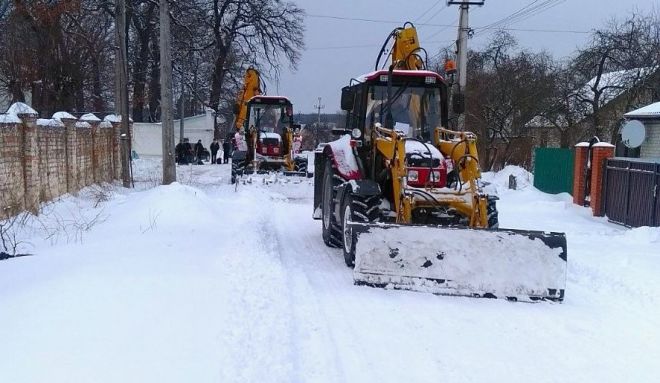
(63, 116)
(50, 122)
(91, 117)
(344, 158)
(9, 119)
(21, 108)
(423, 150)
(503, 263)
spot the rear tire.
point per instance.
(238, 164)
(330, 226)
(493, 220)
(356, 208)
(300, 165)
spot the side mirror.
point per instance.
(458, 103)
(347, 98)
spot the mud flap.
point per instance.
(504, 263)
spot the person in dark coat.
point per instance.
(226, 147)
(183, 151)
(215, 146)
(199, 150)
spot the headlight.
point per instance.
(435, 176)
(356, 133)
(413, 175)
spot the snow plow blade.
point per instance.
(509, 264)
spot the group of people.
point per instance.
(186, 153)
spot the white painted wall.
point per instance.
(147, 137)
(651, 145)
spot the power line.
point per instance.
(436, 13)
(481, 29)
(366, 45)
(371, 20)
(428, 10)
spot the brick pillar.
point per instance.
(96, 143)
(71, 155)
(602, 151)
(579, 177)
(32, 182)
(116, 149)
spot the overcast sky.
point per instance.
(337, 50)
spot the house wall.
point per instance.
(651, 145)
(148, 137)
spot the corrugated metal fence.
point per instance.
(631, 190)
(553, 170)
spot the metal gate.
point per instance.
(553, 170)
(631, 188)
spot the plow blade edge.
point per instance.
(510, 264)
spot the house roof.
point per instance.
(612, 84)
(649, 111)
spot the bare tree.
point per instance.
(507, 88)
(618, 61)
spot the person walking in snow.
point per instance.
(199, 150)
(226, 148)
(215, 146)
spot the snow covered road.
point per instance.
(201, 282)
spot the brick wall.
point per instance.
(42, 159)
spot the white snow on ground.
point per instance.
(209, 282)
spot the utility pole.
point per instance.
(181, 111)
(169, 168)
(318, 107)
(121, 70)
(464, 32)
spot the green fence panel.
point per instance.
(553, 170)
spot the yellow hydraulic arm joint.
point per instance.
(251, 88)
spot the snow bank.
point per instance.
(500, 179)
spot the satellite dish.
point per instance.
(633, 134)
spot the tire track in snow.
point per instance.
(316, 347)
(257, 335)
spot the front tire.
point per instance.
(330, 227)
(361, 209)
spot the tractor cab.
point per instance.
(413, 103)
(269, 118)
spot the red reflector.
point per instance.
(353, 143)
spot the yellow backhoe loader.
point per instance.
(401, 194)
(266, 136)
